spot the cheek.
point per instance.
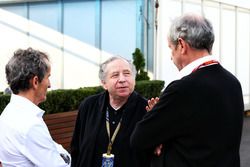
(104, 85)
(109, 85)
(172, 55)
(132, 82)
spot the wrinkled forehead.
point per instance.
(118, 65)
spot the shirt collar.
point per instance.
(27, 105)
(191, 66)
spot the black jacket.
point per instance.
(91, 122)
(198, 120)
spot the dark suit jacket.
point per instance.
(91, 123)
(198, 120)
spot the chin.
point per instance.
(127, 94)
(42, 100)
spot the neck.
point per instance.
(28, 95)
(194, 55)
(117, 103)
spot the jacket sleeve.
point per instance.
(162, 123)
(76, 138)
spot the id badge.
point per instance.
(107, 160)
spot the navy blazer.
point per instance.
(198, 119)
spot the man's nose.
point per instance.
(49, 85)
(121, 78)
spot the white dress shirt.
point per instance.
(25, 140)
(191, 66)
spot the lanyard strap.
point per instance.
(207, 63)
(112, 139)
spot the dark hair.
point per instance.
(24, 65)
(196, 30)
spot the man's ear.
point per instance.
(183, 44)
(104, 84)
(34, 82)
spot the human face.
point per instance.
(119, 80)
(41, 88)
(175, 54)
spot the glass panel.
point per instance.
(19, 9)
(212, 12)
(228, 38)
(243, 53)
(13, 35)
(193, 6)
(150, 39)
(45, 35)
(79, 20)
(119, 27)
(165, 68)
(51, 18)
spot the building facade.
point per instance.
(80, 34)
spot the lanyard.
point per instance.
(112, 139)
(207, 63)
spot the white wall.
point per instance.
(232, 37)
(72, 33)
(74, 63)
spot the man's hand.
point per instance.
(158, 150)
(65, 157)
(151, 103)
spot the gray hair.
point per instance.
(196, 30)
(103, 66)
(24, 65)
